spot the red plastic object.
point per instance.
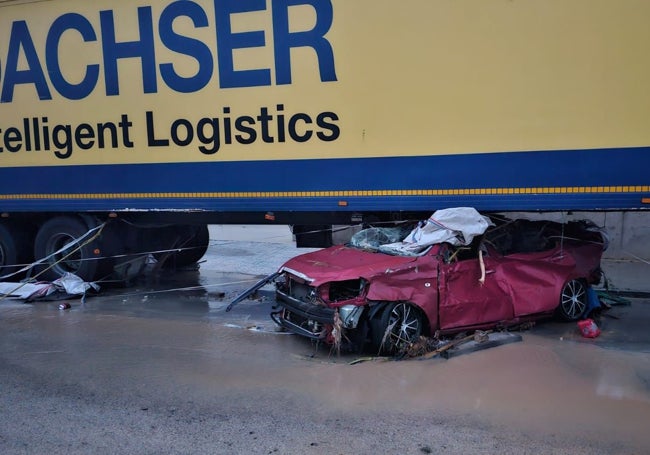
(588, 328)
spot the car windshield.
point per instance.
(456, 226)
(380, 239)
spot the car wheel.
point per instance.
(573, 300)
(394, 328)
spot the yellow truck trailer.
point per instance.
(182, 113)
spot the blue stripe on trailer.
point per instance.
(581, 179)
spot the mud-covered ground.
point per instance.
(160, 367)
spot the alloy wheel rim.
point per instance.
(573, 299)
(406, 324)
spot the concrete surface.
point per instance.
(627, 276)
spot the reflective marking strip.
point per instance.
(354, 193)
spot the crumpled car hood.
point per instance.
(340, 263)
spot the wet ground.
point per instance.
(160, 367)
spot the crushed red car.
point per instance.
(457, 271)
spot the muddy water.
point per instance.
(534, 385)
(151, 349)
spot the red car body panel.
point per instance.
(516, 286)
(340, 263)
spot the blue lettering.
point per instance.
(227, 41)
(284, 40)
(23, 66)
(144, 49)
(20, 38)
(70, 21)
(187, 46)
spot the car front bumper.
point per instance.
(302, 318)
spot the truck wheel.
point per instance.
(192, 241)
(312, 236)
(196, 240)
(8, 251)
(53, 235)
(14, 248)
(395, 327)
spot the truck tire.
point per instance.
(15, 248)
(55, 234)
(8, 250)
(193, 242)
(312, 236)
(195, 247)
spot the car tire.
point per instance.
(573, 300)
(395, 327)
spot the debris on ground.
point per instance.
(421, 347)
(252, 290)
(257, 328)
(368, 359)
(588, 328)
(69, 286)
(608, 299)
(493, 340)
(429, 347)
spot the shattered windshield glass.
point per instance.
(456, 226)
(372, 239)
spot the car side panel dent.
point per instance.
(535, 287)
(416, 285)
(465, 301)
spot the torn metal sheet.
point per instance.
(493, 340)
(65, 287)
(250, 291)
(22, 290)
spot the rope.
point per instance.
(637, 257)
(187, 288)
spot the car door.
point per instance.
(465, 301)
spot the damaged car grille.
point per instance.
(300, 311)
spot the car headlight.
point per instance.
(350, 315)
